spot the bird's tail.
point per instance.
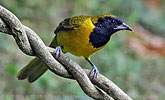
(35, 68)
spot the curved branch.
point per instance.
(17, 30)
(29, 42)
(100, 81)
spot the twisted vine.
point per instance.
(30, 43)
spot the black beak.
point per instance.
(124, 27)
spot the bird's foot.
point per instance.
(95, 70)
(58, 51)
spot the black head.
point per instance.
(112, 25)
(104, 28)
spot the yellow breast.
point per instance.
(77, 41)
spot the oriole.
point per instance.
(80, 36)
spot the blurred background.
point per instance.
(133, 61)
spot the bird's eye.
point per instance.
(113, 21)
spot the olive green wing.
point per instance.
(71, 23)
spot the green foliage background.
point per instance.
(141, 78)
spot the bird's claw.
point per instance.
(58, 51)
(95, 70)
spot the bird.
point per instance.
(81, 36)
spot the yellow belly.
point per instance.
(77, 41)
